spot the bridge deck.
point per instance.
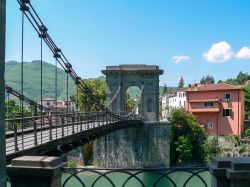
(48, 137)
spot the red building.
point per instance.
(219, 107)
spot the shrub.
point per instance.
(210, 148)
(247, 133)
(186, 138)
(71, 164)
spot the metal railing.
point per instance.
(153, 177)
(27, 132)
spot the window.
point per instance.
(227, 112)
(180, 103)
(179, 94)
(208, 104)
(210, 125)
(184, 104)
(48, 103)
(227, 97)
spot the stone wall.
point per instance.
(143, 146)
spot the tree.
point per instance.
(184, 149)
(241, 78)
(165, 88)
(130, 103)
(220, 81)
(181, 82)
(72, 98)
(98, 88)
(187, 137)
(247, 100)
(207, 80)
(247, 133)
(12, 110)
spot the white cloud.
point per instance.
(178, 59)
(219, 52)
(244, 53)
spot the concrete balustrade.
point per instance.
(230, 172)
(43, 171)
(35, 171)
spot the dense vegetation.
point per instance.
(242, 79)
(98, 88)
(189, 144)
(207, 80)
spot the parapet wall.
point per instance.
(134, 147)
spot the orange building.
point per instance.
(219, 107)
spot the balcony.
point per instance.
(194, 109)
(200, 106)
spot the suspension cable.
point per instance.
(56, 93)
(22, 57)
(67, 101)
(115, 96)
(41, 82)
(39, 26)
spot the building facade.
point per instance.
(219, 107)
(173, 100)
(59, 104)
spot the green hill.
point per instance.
(32, 79)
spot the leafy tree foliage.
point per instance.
(98, 88)
(247, 133)
(165, 88)
(207, 80)
(183, 149)
(72, 98)
(187, 137)
(241, 78)
(131, 103)
(210, 148)
(181, 83)
(220, 81)
(12, 110)
(247, 99)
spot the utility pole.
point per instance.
(2, 94)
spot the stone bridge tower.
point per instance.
(124, 76)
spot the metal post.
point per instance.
(15, 137)
(35, 131)
(50, 128)
(62, 121)
(2, 100)
(73, 127)
(81, 121)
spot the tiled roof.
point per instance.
(178, 90)
(208, 87)
(48, 99)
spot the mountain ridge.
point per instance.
(32, 79)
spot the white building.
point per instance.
(49, 102)
(164, 106)
(59, 104)
(173, 100)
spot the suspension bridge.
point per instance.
(46, 129)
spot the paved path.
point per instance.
(27, 140)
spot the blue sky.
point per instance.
(188, 38)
